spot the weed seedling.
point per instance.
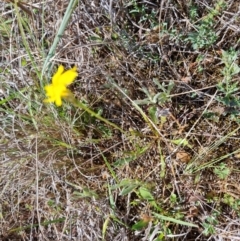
(205, 35)
(228, 87)
(222, 171)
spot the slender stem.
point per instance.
(92, 113)
(71, 6)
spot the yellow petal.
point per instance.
(68, 76)
(56, 76)
(58, 102)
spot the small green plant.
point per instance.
(227, 86)
(232, 202)
(205, 35)
(173, 199)
(222, 171)
(170, 31)
(155, 99)
(199, 60)
(209, 224)
(193, 12)
(228, 199)
(127, 186)
(131, 156)
(142, 12)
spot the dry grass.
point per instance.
(65, 175)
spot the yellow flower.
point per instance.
(58, 88)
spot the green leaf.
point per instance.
(182, 142)
(124, 161)
(139, 225)
(128, 189)
(152, 113)
(85, 193)
(173, 220)
(145, 193)
(23, 62)
(235, 69)
(104, 228)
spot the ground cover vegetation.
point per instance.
(139, 140)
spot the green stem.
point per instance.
(71, 6)
(92, 113)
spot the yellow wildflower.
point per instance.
(58, 88)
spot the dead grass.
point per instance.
(66, 176)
